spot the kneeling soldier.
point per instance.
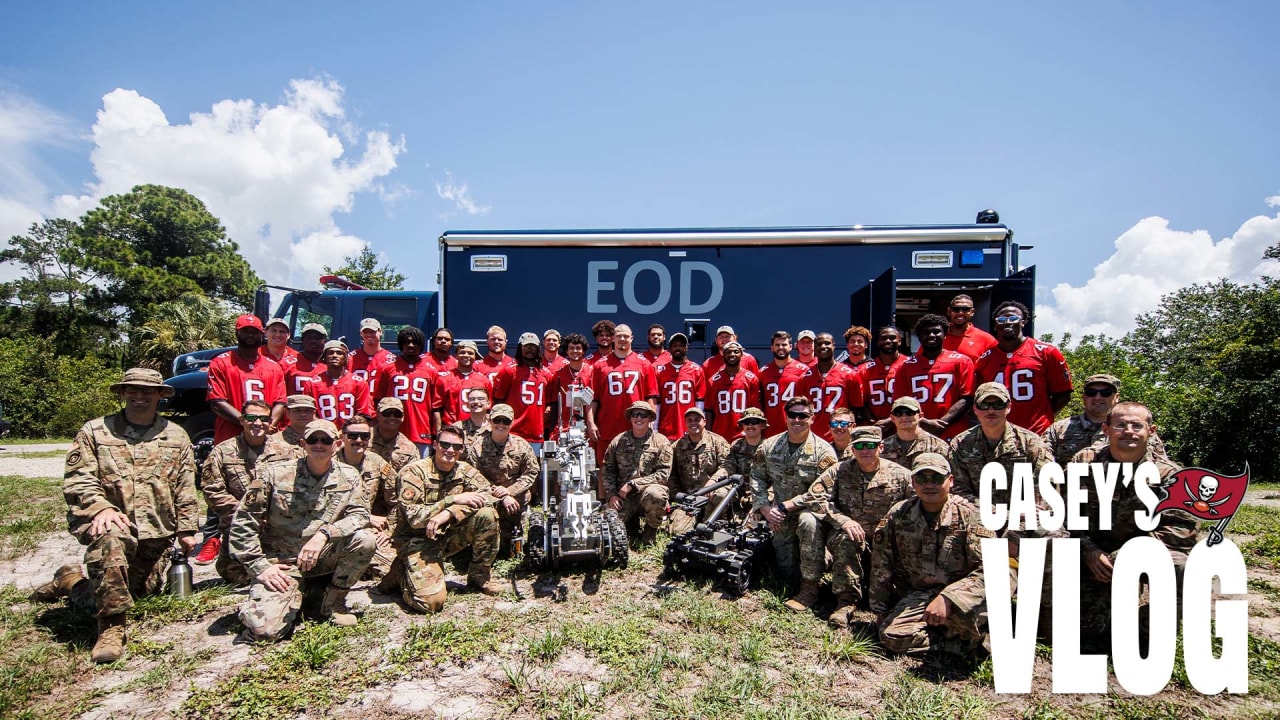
(445, 507)
(637, 467)
(300, 519)
(508, 463)
(697, 457)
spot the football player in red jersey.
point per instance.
(804, 348)
(713, 364)
(831, 386)
(1035, 373)
(551, 357)
(454, 385)
(527, 393)
(655, 353)
(366, 361)
(497, 358)
(338, 393)
(576, 372)
(781, 379)
(876, 377)
(941, 380)
(730, 392)
(441, 347)
(680, 386)
(602, 331)
(243, 374)
(301, 369)
(277, 347)
(857, 341)
(962, 335)
(414, 382)
(619, 379)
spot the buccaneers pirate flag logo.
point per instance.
(1208, 496)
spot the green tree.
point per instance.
(47, 394)
(190, 323)
(155, 244)
(363, 269)
(1097, 354)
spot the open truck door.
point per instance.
(1020, 286)
(874, 305)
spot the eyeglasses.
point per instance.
(904, 412)
(794, 415)
(866, 445)
(455, 447)
(358, 435)
(993, 405)
(320, 439)
(1095, 392)
(1132, 425)
(929, 478)
(392, 414)
(252, 418)
(499, 421)
(1008, 319)
(961, 308)
(839, 424)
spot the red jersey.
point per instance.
(937, 384)
(729, 397)
(558, 392)
(616, 383)
(856, 366)
(528, 398)
(452, 393)
(366, 367)
(812, 360)
(234, 379)
(442, 366)
(299, 372)
(1033, 373)
(415, 384)
(839, 388)
(778, 385)
(596, 356)
(288, 353)
(876, 379)
(337, 400)
(715, 364)
(489, 367)
(661, 358)
(973, 343)
(554, 366)
(679, 388)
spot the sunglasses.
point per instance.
(993, 405)
(836, 424)
(866, 445)
(1095, 392)
(358, 435)
(1008, 319)
(250, 417)
(929, 478)
(392, 414)
(751, 423)
(961, 308)
(798, 415)
(638, 414)
(499, 421)
(904, 412)
(448, 445)
(319, 440)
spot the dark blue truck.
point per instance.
(757, 280)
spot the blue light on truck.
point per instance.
(971, 258)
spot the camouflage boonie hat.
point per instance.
(299, 401)
(143, 377)
(502, 410)
(642, 405)
(866, 433)
(1103, 379)
(906, 402)
(989, 390)
(930, 461)
(752, 414)
(390, 403)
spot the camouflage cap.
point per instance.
(502, 410)
(752, 414)
(323, 427)
(866, 433)
(299, 401)
(142, 377)
(930, 461)
(390, 403)
(642, 405)
(695, 410)
(314, 327)
(907, 402)
(1103, 379)
(991, 390)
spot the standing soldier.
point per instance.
(696, 460)
(1070, 435)
(785, 466)
(926, 568)
(1035, 372)
(130, 487)
(637, 467)
(832, 386)
(243, 374)
(388, 442)
(962, 335)
(445, 508)
(377, 487)
(853, 496)
(508, 462)
(876, 376)
(940, 380)
(301, 410)
(680, 387)
(370, 358)
(338, 393)
(908, 441)
(731, 391)
(302, 518)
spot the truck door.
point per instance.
(1020, 286)
(874, 304)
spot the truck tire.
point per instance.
(200, 429)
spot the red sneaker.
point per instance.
(209, 552)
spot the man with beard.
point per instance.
(857, 340)
(414, 383)
(619, 380)
(243, 374)
(876, 376)
(908, 441)
(457, 384)
(441, 347)
(527, 395)
(370, 358)
(680, 387)
(724, 337)
(730, 392)
(576, 372)
(940, 380)
(277, 347)
(831, 386)
(962, 335)
(497, 358)
(602, 331)
(300, 370)
(1035, 372)
(338, 393)
(388, 442)
(781, 379)
(655, 353)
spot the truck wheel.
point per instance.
(200, 429)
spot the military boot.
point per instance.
(805, 597)
(60, 586)
(111, 639)
(334, 607)
(845, 603)
(478, 579)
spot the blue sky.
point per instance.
(1076, 122)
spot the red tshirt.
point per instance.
(366, 367)
(778, 385)
(337, 400)
(679, 388)
(299, 372)
(937, 384)
(661, 358)
(558, 391)
(288, 353)
(973, 343)
(234, 379)
(442, 366)
(729, 397)
(415, 385)
(839, 388)
(618, 382)
(453, 389)
(1033, 373)
(528, 398)
(876, 379)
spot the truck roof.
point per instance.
(740, 236)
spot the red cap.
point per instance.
(246, 320)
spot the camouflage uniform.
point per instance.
(738, 462)
(914, 561)
(694, 466)
(1070, 435)
(399, 451)
(905, 452)
(282, 510)
(472, 429)
(645, 463)
(1177, 530)
(789, 473)
(224, 478)
(148, 474)
(846, 492)
(970, 452)
(845, 454)
(424, 493)
(512, 465)
(291, 436)
(378, 488)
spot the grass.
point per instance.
(30, 509)
(906, 697)
(165, 609)
(34, 454)
(34, 661)
(438, 641)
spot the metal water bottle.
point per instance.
(517, 540)
(178, 580)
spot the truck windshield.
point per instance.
(300, 310)
(393, 313)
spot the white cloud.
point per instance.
(274, 174)
(1151, 260)
(459, 195)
